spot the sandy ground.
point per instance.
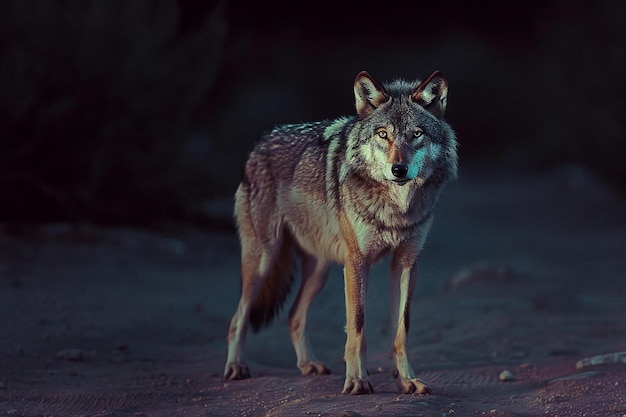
(523, 274)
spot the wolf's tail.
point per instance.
(276, 286)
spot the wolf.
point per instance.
(347, 191)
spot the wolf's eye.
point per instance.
(418, 134)
(382, 134)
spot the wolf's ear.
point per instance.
(368, 94)
(432, 94)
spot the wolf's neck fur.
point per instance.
(385, 205)
(403, 195)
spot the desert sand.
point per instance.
(522, 287)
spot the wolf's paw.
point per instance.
(236, 371)
(357, 386)
(314, 368)
(413, 386)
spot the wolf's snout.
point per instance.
(399, 170)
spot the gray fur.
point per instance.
(349, 190)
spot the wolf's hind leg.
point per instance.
(314, 277)
(252, 280)
(258, 261)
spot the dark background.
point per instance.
(142, 112)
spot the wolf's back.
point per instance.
(284, 153)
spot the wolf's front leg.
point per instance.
(403, 279)
(357, 380)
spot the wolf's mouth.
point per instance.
(401, 181)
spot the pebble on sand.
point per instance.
(72, 354)
(507, 376)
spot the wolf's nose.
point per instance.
(399, 170)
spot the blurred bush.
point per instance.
(581, 113)
(96, 101)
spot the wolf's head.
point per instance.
(400, 134)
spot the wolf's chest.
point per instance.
(378, 235)
(317, 229)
